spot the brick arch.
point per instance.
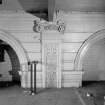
(18, 49)
(15, 64)
(14, 43)
(85, 46)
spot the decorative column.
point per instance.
(51, 35)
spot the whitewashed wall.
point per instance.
(20, 26)
(79, 26)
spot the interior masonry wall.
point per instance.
(15, 64)
(26, 5)
(79, 26)
(34, 4)
(20, 26)
(93, 62)
(10, 63)
(80, 5)
(10, 5)
(5, 67)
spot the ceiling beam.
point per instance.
(51, 8)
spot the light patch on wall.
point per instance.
(93, 63)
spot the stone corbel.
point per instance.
(40, 26)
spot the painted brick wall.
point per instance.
(79, 26)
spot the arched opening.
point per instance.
(16, 55)
(9, 65)
(91, 57)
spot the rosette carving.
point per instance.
(61, 26)
(38, 27)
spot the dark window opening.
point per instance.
(1, 53)
(0, 1)
(9, 67)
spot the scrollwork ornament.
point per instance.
(37, 26)
(59, 22)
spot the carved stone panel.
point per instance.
(40, 26)
(51, 62)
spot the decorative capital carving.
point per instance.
(40, 26)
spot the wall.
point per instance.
(14, 21)
(5, 67)
(11, 63)
(34, 4)
(14, 63)
(93, 62)
(80, 5)
(79, 26)
(24, 5)
(20, 26)
(10, 5)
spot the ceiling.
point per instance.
(46, 8)
(67, 5)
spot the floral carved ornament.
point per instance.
(41, 26)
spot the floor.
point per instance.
(14, 95)
(93, 93)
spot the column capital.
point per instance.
(40, 26)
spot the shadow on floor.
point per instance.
(5, 84)
(95, 89)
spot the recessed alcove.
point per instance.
(91, 57)
(9, 65)
(16, 59)
(93, 62)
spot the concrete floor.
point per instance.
(15, 95)
(97, 92)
